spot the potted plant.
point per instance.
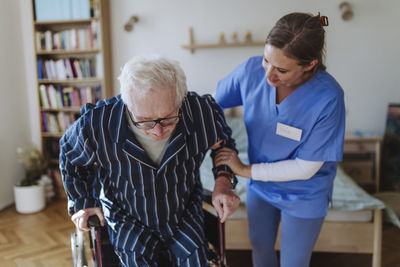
(29, 194)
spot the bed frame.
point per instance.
(335, 237)
(338, 237)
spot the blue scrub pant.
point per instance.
(298, 235)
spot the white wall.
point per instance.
(14, 109)
(362, 53)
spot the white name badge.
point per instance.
(288, 131)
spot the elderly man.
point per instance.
(133, 160)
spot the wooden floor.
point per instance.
(40, 239)
(43, 239)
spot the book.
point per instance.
(73, 39)
(48, 10)
(77, 69)
(76, 102)
(43, 68)
(80, 9)
(39, 68)
(51, 96)
(43, 96)
(52, 66)
(83, 95)
(84, 9)
(67, 91)
(60, 69)
(48, 40)
(89, 95)
(59, 95)
(57, 40)
(68, 68)
(66, 9)
(45, 123)
(49, 73)
(39, 38)
(98, 66)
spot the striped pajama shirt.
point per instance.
(147, 207)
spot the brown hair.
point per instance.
(300, 36)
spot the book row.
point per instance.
(49, 10)
(58, 96)
(80, 38)
(60, 69)
(57, 123)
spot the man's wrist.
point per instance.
(217, 170)
(229, 177)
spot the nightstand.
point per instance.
(361, 160)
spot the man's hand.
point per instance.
(80, 218)
(224, 200)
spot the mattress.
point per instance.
(349, 216)
(333, 215)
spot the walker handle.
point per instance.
(93, 221)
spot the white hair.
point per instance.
(152, 72)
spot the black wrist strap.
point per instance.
(225, 170)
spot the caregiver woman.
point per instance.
(295, 118)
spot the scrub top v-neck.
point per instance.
(314, 112)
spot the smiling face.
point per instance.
(153, 105)
(283, 71)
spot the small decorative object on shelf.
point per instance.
(222, 37)
(222, 42)
(235, 37)
(247, 37)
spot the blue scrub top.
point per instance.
(316, 107)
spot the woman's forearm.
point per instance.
(285, 170)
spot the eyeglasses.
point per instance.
(164, 122)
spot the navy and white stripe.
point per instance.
(101, 159)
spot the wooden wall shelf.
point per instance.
(192, 46)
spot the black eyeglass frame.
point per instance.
(159, 121)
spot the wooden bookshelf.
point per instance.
(63, 22)
(72, 81)
(68, 52)
(47, 135)
(63, 109)
(79, 43)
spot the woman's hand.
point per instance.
(229, 157)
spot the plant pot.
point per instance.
(29, 199)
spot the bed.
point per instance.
(353, 223)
